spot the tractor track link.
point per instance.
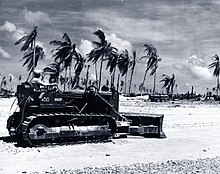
(104, 122)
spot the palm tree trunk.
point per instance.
(96, 74)
(69, 83)
(217, 85)
(145, 74)
(87, 76)
(118, 81)
(64, 88)
(34, 55)
(100, 73)
(113, 77)
(132, 73)
(126, 75)
(155, 74)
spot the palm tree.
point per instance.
(3, 83)
(102, 50)
(169, 83)
(152, 60)
(31, 57)
(64, 53)
(54, 70)
(29, 44)
(133, 63)
(29, 40)
(154, 71)
(124, 64)
(216, 71)
(112, 64)
(80, 62)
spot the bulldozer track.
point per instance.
(66, 118)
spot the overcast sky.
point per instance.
(186, 33)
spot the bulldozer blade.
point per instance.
(147, 125)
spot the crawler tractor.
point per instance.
(48, 115)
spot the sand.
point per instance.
(192, 144)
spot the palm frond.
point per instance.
(216, 57)
(100, 35)
(112, 62)
(123, 62)
(151, 50)
(29, 56)
(67, 38)
(21, 40)
(96, 44)
(29, 39)
(56, 42)
(215, 65)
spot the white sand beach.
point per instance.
(191, 146)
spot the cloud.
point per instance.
(8, 26)
(16, 34)
(36, 18)
(4, 54)
(139, 29)
(199, 68)
(195, 67)
(119, 43)
(85, 47)
(13, 30)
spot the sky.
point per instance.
(185, 33)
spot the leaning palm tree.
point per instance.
(29, 44)
(169, 83)
(124, 64)
(102, 50)
(133, 63)
(80, 62)
(112, 65)
(154, 71)
(29, 40)
(152, 60)
(31, 58)
(64, 53)
(216, 71)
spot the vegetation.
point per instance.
(152, 62)
(32, 53)
(54, 70)
(64, 54)
(216, 71)
(119, 62)
(133, 64)
(102, 51)
(80, 63)
(169, 83)
(123, 65)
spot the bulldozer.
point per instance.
(48, 115)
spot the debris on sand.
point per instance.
(201, 166)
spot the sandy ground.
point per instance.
(192, 131)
